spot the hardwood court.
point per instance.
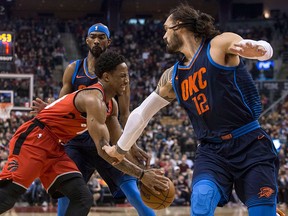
(125, 211)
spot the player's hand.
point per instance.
(140, 155)
(38, 105)
(112, 152)
(248, 49)
(155, 180)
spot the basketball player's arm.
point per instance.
(38, 104)
(96, 122)
(140, 117)
(67, 80)
(227, 47)
(115, 131)
(138, 155)
(124, 106)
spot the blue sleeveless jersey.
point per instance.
(81, 77)
(217, 99)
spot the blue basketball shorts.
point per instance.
(248, 163)
(83, 152)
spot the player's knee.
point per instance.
(83, 197)
(9, 195)
(79, 195)
(204, 198)
(86, 200)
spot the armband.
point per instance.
(139, 118)
(142, 174)
(120, 150)
(268, 48)
(266, 45)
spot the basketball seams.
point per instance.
(163, 200)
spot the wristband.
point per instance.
(268, 48)
(120, 150)
(264, 44)
(142, 174)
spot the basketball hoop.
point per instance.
(5, 109)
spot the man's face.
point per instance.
(171, 37)
(120, 79)
(97, 43)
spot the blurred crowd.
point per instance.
(169, 138)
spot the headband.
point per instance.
(99, 27)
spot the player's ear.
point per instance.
(86, 40)
(109, 41)
(106, 77)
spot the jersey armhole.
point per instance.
(75, 71)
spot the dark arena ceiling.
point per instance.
(80, 8)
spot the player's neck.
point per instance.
(91, 60)
(190, 48)
(107, 93)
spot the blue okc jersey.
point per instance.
(217, 99)
(81, 77)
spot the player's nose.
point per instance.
(96, 41)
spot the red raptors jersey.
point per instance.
(62, 117)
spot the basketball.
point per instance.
(154, 201)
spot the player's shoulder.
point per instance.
(168, 73)
(71, 67)
(224, 38)
(90, 96)
(72, 64)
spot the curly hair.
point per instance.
(201, 24)
(107, 62)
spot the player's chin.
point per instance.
(120, 93)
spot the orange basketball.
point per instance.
(154, 201)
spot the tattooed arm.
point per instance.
(140, 117)
(90, 101)
(164, 87)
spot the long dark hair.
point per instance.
(201, 24)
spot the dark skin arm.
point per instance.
(38, 104)
(67, 80)
(90, 101)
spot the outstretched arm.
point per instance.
(140, 117)
(227, 47)
(138, 156)
(90, 101)
(252, 49)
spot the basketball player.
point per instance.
(213, 85)
(81, 149)
(36, 149)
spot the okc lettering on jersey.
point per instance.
(191, 87)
